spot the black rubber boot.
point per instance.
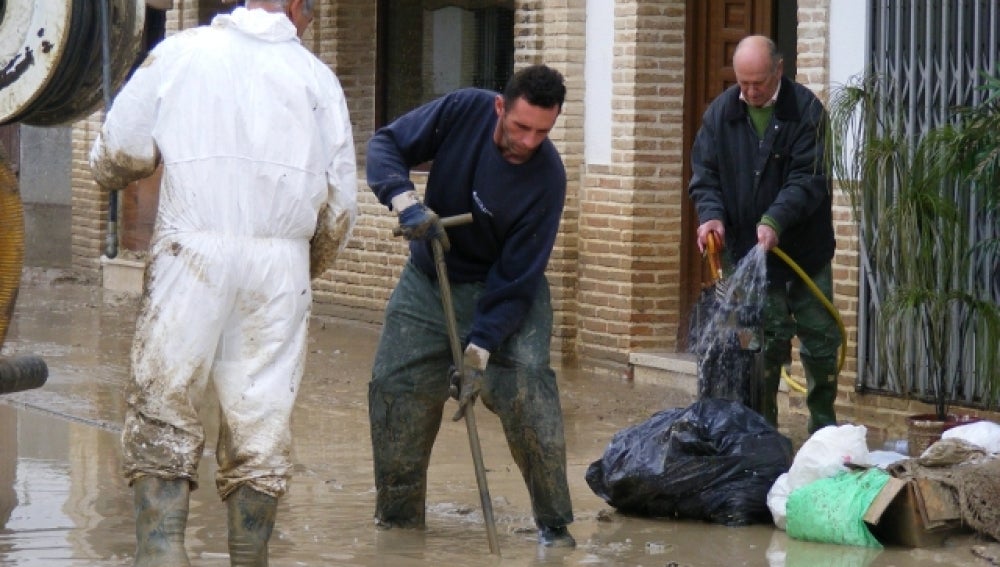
(161, 511)
(555, 537)
(821, 378)
(403, 430)
(251, 520)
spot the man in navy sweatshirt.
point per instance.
(491, 157)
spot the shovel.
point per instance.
(457, 358)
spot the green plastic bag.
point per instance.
(832, 510)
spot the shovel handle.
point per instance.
(447, 222)
(457, 359)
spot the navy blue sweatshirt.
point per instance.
(515, 207)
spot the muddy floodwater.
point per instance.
(63, 502)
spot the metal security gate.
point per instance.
(932, 54)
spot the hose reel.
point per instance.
(51, 63)
(54, 69)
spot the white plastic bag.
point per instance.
(985, 434)
(777, 501)
(824, 454)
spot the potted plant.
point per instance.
(931, 266)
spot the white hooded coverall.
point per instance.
(259, 178)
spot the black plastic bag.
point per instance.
(714, 460)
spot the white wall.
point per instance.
(597, 81)
(848, 43)
(848, 24)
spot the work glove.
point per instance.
(465, 385)
(417, 221)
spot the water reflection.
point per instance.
(787, 552)
(8, 471)
(52, 495)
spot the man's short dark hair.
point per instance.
(540, 85)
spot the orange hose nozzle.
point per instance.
(713, 249)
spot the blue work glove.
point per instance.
(465, 386)
(417, 221)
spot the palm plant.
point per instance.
(932, 268)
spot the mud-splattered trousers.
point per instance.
(233, 311)
(793, 310)
(409, 389)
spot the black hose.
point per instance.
(22, 373)
(67, 77)
(75, 87)
(111, 239)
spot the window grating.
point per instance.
(930, 55)
(430, 47)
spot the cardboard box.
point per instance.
(914, 513)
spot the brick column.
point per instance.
(630, 210)
(89, 203)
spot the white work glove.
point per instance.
(465, 385)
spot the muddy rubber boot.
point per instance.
(821, 379)
(251, 519)
(161, 511)
(555, 537)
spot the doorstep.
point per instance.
(678, 370)
(123, 275)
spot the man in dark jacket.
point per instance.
(760, 178)
(491, 157)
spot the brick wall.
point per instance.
(630, 210)
(89, 203)
(360, 283)
(558, 38)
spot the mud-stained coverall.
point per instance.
(259, 189)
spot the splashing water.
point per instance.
(726, 333)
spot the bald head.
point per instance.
(758, 67)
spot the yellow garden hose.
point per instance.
(12, 239)
(22, 372)
(829, 307)
(792, 383)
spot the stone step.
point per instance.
(122, 274)
(676, 370)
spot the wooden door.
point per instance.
(714, 27)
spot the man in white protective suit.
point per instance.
(259, 194)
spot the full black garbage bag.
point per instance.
(714, 460)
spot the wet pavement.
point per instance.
(63, 502)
